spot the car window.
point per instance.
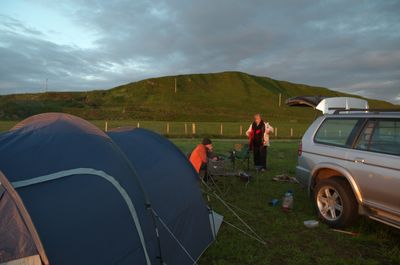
(335, 131)
(382, 136)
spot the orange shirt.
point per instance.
(198, 157)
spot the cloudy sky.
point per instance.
(351, 46)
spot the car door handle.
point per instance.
(359, 160)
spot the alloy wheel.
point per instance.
(329, 203)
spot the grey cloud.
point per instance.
(28, 60)
(349, 46)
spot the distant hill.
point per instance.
(227, 96)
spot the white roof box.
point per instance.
(328, 105)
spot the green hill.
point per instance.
(227, 96)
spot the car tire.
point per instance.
(335, 202)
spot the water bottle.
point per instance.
(287, 201)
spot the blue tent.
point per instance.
(129, 197)
(169, 180)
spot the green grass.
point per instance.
(6, 125)
(290, 241)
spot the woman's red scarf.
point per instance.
(254, 131)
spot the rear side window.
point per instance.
(335, 131)
(381, 136)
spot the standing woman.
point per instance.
(258, 134)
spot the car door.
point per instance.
(375, 164)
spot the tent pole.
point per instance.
(244, 232)
(240, 219)
(212, 218)
(173, 236)
(230, 204)
(147, 201)
(234, 213)
(215, 184)
(160, 256)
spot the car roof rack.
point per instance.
(339, 110)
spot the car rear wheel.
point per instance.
(335, 201)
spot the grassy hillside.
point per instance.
(227, 96)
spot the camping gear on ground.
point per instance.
(346, 232)
(127, 198)
(218, 167)
(287, 201)
(223, 167)
(244, 176)
(311, 223)
(258, 168)
(274, 202)
(285, 178)
(227, 163)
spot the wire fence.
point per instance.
(201, 129)
(176, 129)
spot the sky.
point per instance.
(351, 46)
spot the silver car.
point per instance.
(350, 163)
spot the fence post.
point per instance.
(138, 125)
(106, 126)
(222, 129)
(167, 127)
(186, 128)
(276, 132)
(241, 130)
(280, 99)
(291, 132)
(193, 128)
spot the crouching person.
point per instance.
(199, 157)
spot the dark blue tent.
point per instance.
(93, 201)
(170, 181)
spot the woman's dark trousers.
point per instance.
(260, 156)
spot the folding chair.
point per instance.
(241, 153)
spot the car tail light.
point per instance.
(300, 150)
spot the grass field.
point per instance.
(177, 129)
(290, 242)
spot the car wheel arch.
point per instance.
(330, 170)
